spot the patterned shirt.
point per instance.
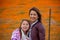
(15, 35)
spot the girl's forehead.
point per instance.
(25, 21)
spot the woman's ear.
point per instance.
(38, 17)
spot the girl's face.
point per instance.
(25, 26)
(33, 16)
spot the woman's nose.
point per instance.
(32, 15)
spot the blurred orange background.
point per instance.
(13, 11)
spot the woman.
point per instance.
(37, 31)
(22, 32)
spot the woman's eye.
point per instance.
(34, 14)
(30, 14)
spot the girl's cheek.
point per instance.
(27, 27)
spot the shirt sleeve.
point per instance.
(13, 39)
(14, 36)
(41, 32)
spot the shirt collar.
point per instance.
(34, 22)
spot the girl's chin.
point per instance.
(25, 30)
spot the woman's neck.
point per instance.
(34, 21)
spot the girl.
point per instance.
(22, 32)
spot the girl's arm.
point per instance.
(13, 39)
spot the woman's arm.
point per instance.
(41, 31)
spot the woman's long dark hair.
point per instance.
(38, 13)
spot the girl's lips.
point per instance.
(25, 27)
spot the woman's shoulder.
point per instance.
(38, 23)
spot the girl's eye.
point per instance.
(27, 24)
(23, 24)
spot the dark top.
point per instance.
(38, 32)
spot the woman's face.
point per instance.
(33, 16)
(25, 26)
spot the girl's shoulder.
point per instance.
(16, 34)
(16, 31)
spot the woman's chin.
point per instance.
(33, 20)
